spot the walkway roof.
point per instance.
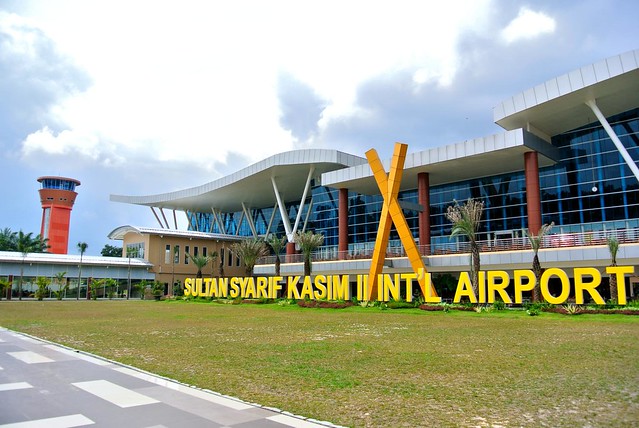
(252, 185)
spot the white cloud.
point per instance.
(198, 82)
(528, 25)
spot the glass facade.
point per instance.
(590, 189)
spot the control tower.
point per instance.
(57, 196)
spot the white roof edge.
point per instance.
(293, 157)
(572, 81)
(499, 141)
(10, 256)
(119, 232)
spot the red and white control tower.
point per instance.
(57, 196)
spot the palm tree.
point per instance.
(199, 262)
(465, 219)
(536, 242)
(25, 244)
(82, 247)
(308, 242)
(59, 279)
(8, 240)
(613, 247)
(277, 244)
(249, 250)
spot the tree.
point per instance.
(277, 244)
(613, 247)
(199, 262)
(536, 242)
(111, 251)
(43, 287)
(26, 244)
(249, 250)
(62, 284)
(82, 247)
(308, 242)
(465, 219)
(8, 240)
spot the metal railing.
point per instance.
(395, 249)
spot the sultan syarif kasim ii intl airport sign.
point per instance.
(386, 287)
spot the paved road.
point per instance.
(46, 385)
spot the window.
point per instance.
(135, 250)
(186, 254)
(195, 251)
(204, 251)
(167, 254)
(176, 255)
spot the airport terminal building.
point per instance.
(568, 154)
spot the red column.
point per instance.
(290, 251)
(342, 223)
(533, 198)
(423, 195)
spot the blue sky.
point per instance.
(147, 97)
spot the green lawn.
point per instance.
(368, 367)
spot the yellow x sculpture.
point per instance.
(392, 214)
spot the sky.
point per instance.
(146, 97)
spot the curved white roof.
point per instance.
(558, 105)
(119, 232)
(252, 185)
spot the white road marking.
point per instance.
(292, 422)
(14, 386)
(59, 422)
(30, 357)
(210, 397)
(116, 394)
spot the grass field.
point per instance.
(368, 367)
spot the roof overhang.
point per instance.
(558, 105)
(120, 232)
(481, 157)
(252, 185)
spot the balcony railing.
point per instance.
(395, 249)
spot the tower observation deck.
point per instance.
(57, 196)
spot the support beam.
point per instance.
(283, 213)
(308, 214)
(164, 217)
(217, 216)
(307, 186)
(157, 218)
(175, 220)
(611, 133)
(249, 220)
(270, 222)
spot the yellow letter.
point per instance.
(565, 286)
(187, 286)
(292, 287)
(235, 289)
(590, 287)
(320, 285)
(500, 288)
(341, 287)
(620, 271)
(262, 282)
(519, 286)
(275, 286)
(307, 288)
(464, 288)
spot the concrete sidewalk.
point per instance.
(46, 385)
